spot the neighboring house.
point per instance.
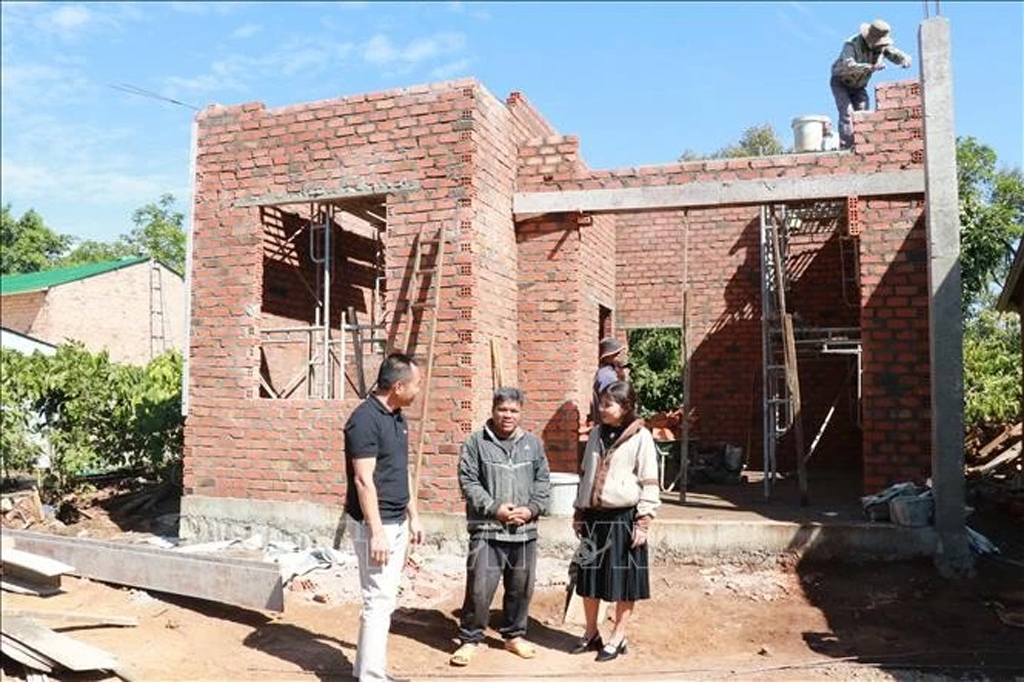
(1012, 298)
(134, 308)
(24, 344)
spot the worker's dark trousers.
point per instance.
(514, 563)
(848, 100)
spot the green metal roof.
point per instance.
(38, 281)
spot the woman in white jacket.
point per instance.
(617, 497)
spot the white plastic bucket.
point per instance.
(809, 133)
(563, 493)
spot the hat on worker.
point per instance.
(608, 347)
(876, 34)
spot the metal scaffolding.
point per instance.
(784, 342)
(326, 346)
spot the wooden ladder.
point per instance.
(431, 302)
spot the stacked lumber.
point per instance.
(26, 573)
(996, 472)
(37, 647)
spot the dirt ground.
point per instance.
(775, 619)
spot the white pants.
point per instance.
(379, 585)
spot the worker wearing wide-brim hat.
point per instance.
(611, 368)
(860, 58)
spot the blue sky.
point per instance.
(638, 82)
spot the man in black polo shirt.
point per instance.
(381, 521)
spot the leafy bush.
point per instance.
(655, 358)
(98, 415)
(992, 370)
(20, 445)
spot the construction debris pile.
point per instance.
(995, 475)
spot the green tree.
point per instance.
(27, 244)
(159, 232)
(991, 220)
(755, 141)
(991, 370)
(654, 355)
(90, 251)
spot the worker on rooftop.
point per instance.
(860, 58)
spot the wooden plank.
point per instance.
(739, 192)
(497, 364)
(24, 655)
(1011, 454)
(17, 586)
(73, 618)
(993, 445)
(790, 362)
(793, 379)
(250, 584)
(64, 650)
(34, 563)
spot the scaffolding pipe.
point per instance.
(766, 406)
(326, 378)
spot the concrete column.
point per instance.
(953, 556)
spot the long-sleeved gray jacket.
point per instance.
(854, 65)
(494, 472)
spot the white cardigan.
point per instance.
(624, 475)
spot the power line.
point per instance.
(133, 90)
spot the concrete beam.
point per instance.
(942, 218)
(251, 584)
(732, 193)
(323, 196)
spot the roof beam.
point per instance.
(726, 193)
(320, 195)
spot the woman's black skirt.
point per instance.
(607, 567)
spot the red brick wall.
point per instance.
(724, 274)
(894, 322)
(550, 317)
(442, 155)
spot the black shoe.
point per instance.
(585, 645)
(610, 652)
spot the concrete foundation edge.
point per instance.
(307, 524)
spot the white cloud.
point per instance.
(57, 162)
(380, 50)
(246, 31)
(69, 17)
(451, 70)
(29, 85)
(205, 8)
(234, 73)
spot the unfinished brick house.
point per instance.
(307, 224)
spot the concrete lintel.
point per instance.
(942, 220)
(731, 193)
(322, 195)
(249, 584)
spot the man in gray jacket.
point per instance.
(860, 58)
(504, 476)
